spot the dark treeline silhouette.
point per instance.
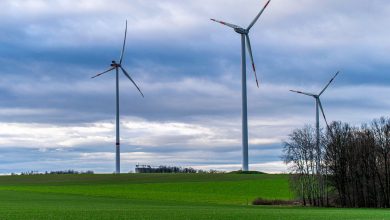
(55, 172)
(354, 165)
(169, 169)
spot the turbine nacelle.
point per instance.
(114, 64)
(241, 30)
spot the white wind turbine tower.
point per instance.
(245, 39)
(318, 106)
(117, 66)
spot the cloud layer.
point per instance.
(53, 116)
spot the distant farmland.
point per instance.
(157, 196)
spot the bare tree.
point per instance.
(301, 154)
(381, 131)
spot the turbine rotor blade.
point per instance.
(128, 76)
(304, 93)
(103, 72)
(249, 47)
(323, 113)
(225, 23)
(124, 44)
(258, 16)
(329, 83)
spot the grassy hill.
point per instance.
(157, 196)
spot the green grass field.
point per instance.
(157, 196)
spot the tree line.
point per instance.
(350, 169)
(53, 172)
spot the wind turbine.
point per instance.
(318, 106)
(244, 32)
(117, 66)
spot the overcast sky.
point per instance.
(54, 117)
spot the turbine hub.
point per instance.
(241, 30)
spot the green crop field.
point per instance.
(157, 196)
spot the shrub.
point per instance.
(261, 201)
